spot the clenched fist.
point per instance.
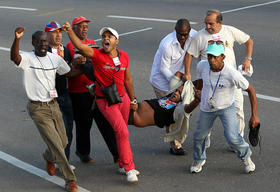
(19, 32)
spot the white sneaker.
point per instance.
(122, 171)
(250, 166)
(131, 176)
(71, 166)
(197, 167)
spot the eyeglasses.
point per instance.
(117, 68)
(182, 34)
(217, 42)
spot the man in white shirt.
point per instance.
(39, 72)
(214, 30)
(167, 61)
(218, 80)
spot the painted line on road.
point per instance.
(132, 32)
(18, 8)
(265, 97)
(35, 171)
(251, 6)
(146, 19)
(56, 12)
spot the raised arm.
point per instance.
(248, 57)
(254, 120)
(187, 64)
(14, 53)
(85, 49)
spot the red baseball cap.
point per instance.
(79, 19)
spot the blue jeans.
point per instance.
(65, 105)
(229, 121)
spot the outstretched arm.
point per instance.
(187, 64)
(14, 54)
(254, 120)
(85, 49)
(249, 51)
(128, 83)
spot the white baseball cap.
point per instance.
(113, 31)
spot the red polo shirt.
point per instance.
(78, 84)
(105, 70)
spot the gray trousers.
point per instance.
(48, 119)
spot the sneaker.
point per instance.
(250, 166)
(207, 142)
(71, 166)
(84, 158)
(197, 167)
(254, 135)
(50, 168)
(122, 171)
(131, 176)
(179, 151)
(70, 186)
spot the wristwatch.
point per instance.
(134, 101)
(249, 58)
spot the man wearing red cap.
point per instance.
(82, 102)
(112, 65)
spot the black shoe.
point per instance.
(179, 151)
(254, 135)
(116, 159)
(84, 158)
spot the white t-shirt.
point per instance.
(39, 74)
(224, 94)
(168, 59)
(227, 34)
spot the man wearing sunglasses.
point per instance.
(214, 30)
(218, 80)
(167, 61)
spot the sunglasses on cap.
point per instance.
(217, 42)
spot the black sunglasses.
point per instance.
(182, 34)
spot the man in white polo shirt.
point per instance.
(218, 80)
(167, 61)
(215, 30)
(39, 72)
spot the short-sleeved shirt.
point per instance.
(168, 59)
(227, 34)
(39, 74)
(163, 111)
(105, 70)
(223, 96)
(78, 84)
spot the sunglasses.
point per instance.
(217, 42)
(117, 68)
(182, 34)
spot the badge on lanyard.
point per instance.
(116, 61)
(53, 93)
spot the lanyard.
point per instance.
(43, 69)
(214, 90)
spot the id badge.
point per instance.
(211, 103)
(116, 60)
(53, 93)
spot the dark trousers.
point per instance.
(66, 109)
(83, 116)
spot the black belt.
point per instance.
(43, 103)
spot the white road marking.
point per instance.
(128, 33)
(18, 8)
(35, 171)
(146, 19)
(251, 6)
(265, 97)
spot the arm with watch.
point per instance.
(128, 83)
(248, 57)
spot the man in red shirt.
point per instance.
(111, 64)
(82, 102)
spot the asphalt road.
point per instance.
(160, 171)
